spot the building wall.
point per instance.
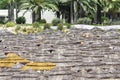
(28, 16)
(48, 15)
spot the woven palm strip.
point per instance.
(11, 60)
(39, 66)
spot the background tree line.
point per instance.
(68, 10)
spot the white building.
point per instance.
(48, 15)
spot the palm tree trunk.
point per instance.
(69, 15)
(36, 16)
(75, 11)
(58, 14)
(39, 14)
(16, 8)
(99, 14)
(33, 16)
(63, 17)
(11, 11)
(71, 11)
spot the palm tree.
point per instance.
(98, 13)
(10, 10)
(37, 6)
(111, 7)
(8, 4)
(107, 6)
(11, 5)
(79, 6)
(3, 4)
(63, 9)
(17, 6)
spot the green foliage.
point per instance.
(10, 24)
(42, 21)
(17, 28)
(36, 25)
(24, 29)
(84, 20)
(39, 29)
(56, 21)
(105, 20)
(116, 22)
(60, 26)
(21, 20)
(46, 26)
(68, 25)
(37, 6)
(3, 20)
(30, 30)
(1, 25)
(3, 4)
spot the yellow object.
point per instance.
(39, 66)
(8, 65)
(13, 58)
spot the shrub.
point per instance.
(21, 20)
(47, 26)
(107, 22)
(24, 29)
(10, 24)
(116, 22)
(60, 26)
(36, 25)
(84, 20)
(56, 21)
(68, 25)
(103, 18)
(3, 20)
(39, 29)
(42, 21)
(30, 30)
(17, 28)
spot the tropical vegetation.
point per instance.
(67, 11)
